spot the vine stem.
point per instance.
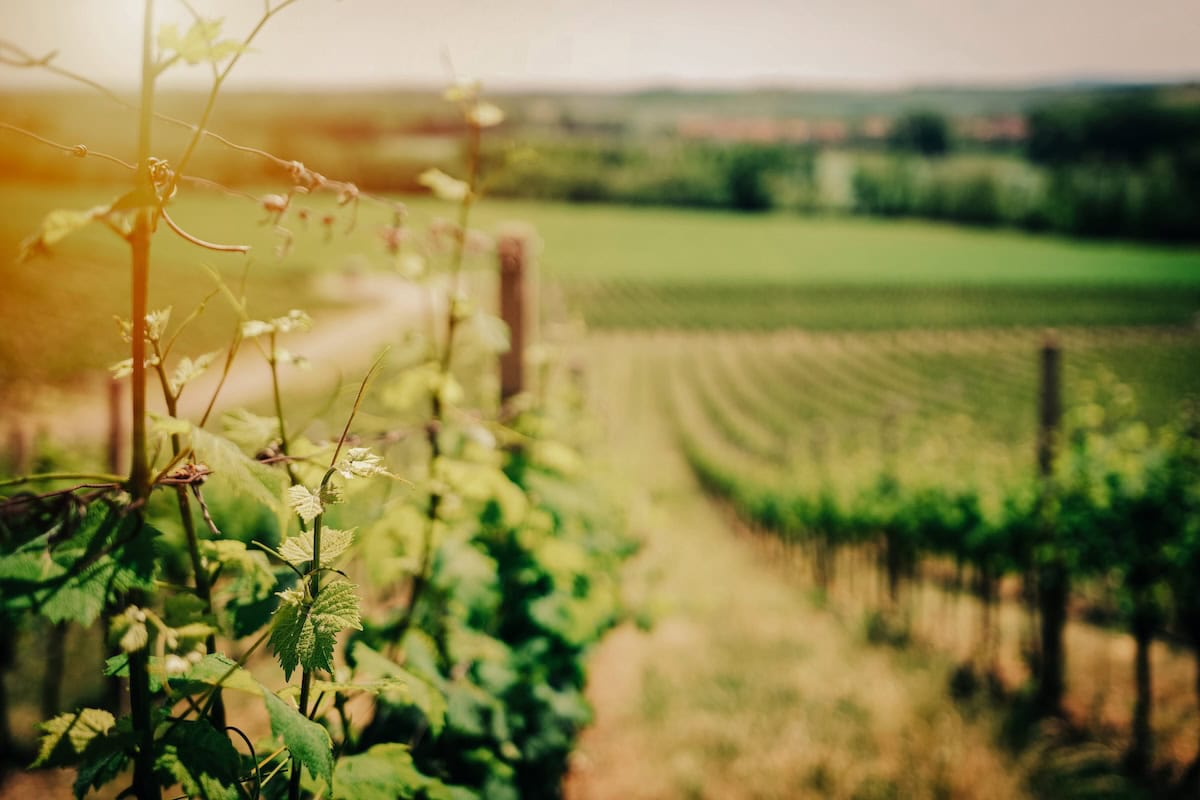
(314, 581)
(438, 412)
(277, 398)
(199, 573)
(61, 476)
(145, 785)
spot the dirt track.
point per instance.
(341, 342)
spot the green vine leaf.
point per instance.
(336, 608)
(420, 691)
(244, 475)
(188, 369)
(299, 549)
(200, 43)
(385, 772)
(304, 634)
(306, 504)
(58, 225)
(292, 634)
(213, 669)
(360, 462)
(201, 759)
(72, 579)
(308, 741)
(295, 320)
(443, 186)
(250, 430)
(67, 736)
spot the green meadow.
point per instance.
(621, 267)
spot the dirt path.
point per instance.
(341, 342)
(742, 688)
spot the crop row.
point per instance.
(920, 448)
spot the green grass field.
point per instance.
(622, 267)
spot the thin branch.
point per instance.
(181, 233)
(62, 476)
(295, 168)
(28, 60)
(253, 754)
(204, 512)
(218, 80)
(362, 387)
(189, 319)
(77, 150)
(83, 151)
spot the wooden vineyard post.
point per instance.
(1049, 405)
(20, 450)
(512, 249)
(1052, 578)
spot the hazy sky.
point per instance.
(511, 43)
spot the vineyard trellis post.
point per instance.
(20, 450)
(513, 251)
(1052, 579)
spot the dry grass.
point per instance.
(744, 689)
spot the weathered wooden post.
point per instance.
(512, 248)
(1053, 582)
(20, 450)
(1049, 405)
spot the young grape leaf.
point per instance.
(336, 608)
(296, 320)
(304, 635)
(360, 462)
(292, 635)
(200, 43)
(188, 369)
(306, 504)
(299, 549)
(443, 186)
(308, 741)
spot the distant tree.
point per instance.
(924, 132)
(746, 171)
(1128, 128)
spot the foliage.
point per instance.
(921, 131)
(1120, 508)
(226, 541)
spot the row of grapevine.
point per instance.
(919, 448)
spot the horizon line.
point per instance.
(1063, 81)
